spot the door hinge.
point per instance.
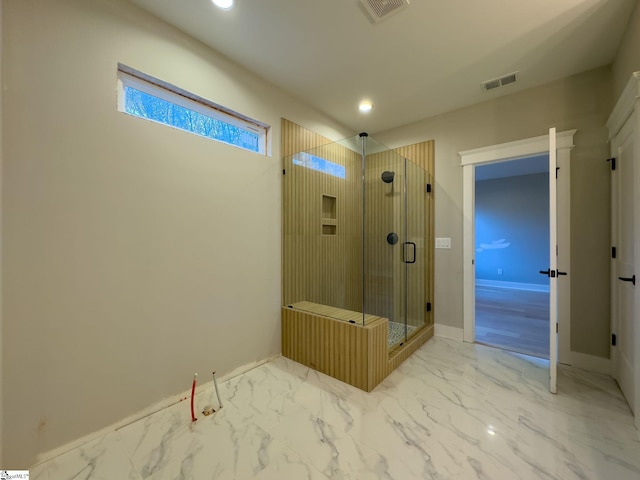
(284, 172)
(428, 306)
(613, 162)
(613, 339)
(428, 188)
(556, 327)
(613, 252)
(557, 168)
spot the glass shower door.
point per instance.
(395, 251)
(385, 238)
(415, 258)
(396, 230)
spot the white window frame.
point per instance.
(128, 77)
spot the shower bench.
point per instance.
(335, 312)
(334, 341)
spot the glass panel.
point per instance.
(417, 200)
(322, 231)
(429, 248)
(384, 238)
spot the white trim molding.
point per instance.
(468, 254)
(625, 105)
(518, 149)
(590, 362)
(446, 331)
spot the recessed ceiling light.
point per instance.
(224, 4)
(365, 106)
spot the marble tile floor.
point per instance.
(451, 411)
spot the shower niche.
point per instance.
(357, 254)
(328, 215)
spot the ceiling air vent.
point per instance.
(499, 82)
(378, 10)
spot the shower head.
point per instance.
(387, 177)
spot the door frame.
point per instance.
(500, 153)
(627, 105)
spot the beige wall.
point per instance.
(582, 102)
(136, 254)
(627, 58)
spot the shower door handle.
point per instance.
(404, 252)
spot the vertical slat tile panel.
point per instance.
(325, 269)
(351, 353)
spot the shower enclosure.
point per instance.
(355, 243)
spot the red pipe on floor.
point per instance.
(193, 395)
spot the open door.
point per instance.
(559, 147)
(553, 263)
(552, 272)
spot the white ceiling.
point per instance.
(427, 59)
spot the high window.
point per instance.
(152, 99)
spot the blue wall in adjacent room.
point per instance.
(512, 228)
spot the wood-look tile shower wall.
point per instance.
(324, 268)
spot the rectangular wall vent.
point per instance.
(378, 10)
(491, 84)
(499, 82)
(511, 78)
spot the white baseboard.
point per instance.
(590, 362)
(532, 287)
(448, 332)
(156, 407)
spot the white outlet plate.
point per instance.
(443, 243)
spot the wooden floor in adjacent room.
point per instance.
(516, 320)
